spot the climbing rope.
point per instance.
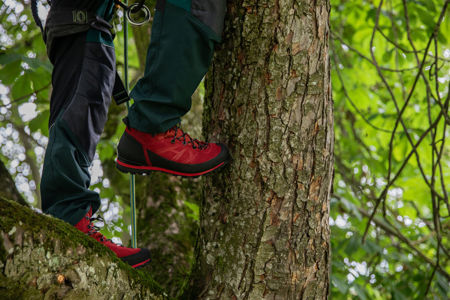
(132, 179)
(134, 8)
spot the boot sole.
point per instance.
(146, 170)
(138, 260)
(141, 264)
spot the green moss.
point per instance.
(33, 222)
(141, 277)
(10, 289)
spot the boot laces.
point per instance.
(94, 230)
(186, 138)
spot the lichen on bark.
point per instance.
(44, 258)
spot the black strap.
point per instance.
(120, 94)
(77, 17)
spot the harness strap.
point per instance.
(120, 94)
(82, 20)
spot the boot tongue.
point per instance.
(171, 132)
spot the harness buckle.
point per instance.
(134, 9)
(80, 16)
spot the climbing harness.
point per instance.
(66, 22)
(75, 21)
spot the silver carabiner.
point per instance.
(146, 18)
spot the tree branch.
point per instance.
(48, 258)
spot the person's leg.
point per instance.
(182, 44)
(82, 79)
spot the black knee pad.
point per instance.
(210, 12)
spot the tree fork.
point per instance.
(264, 220)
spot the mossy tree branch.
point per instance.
(42, 257)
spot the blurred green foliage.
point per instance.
(386, 63)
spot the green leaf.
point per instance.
(40, 122)
(442, 284)
(360, 292)
(340, 284)
(353, 245)
(371, 14)
(427, 18)
(371, 247)
(6, 59)
(387, 55)
(10, 72)
(35, 63)
(40, 78)
(399, 295)
(105, 151)
(22, 87)
(429, 4)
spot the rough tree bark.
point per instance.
(264, 220)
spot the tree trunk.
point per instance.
(264, 220)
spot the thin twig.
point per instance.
(24, 97)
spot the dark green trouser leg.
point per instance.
(179, 55)
(82, 79)
(65, 177)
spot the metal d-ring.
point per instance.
(130, 11)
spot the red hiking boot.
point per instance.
(136, 257)
(173, 151)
